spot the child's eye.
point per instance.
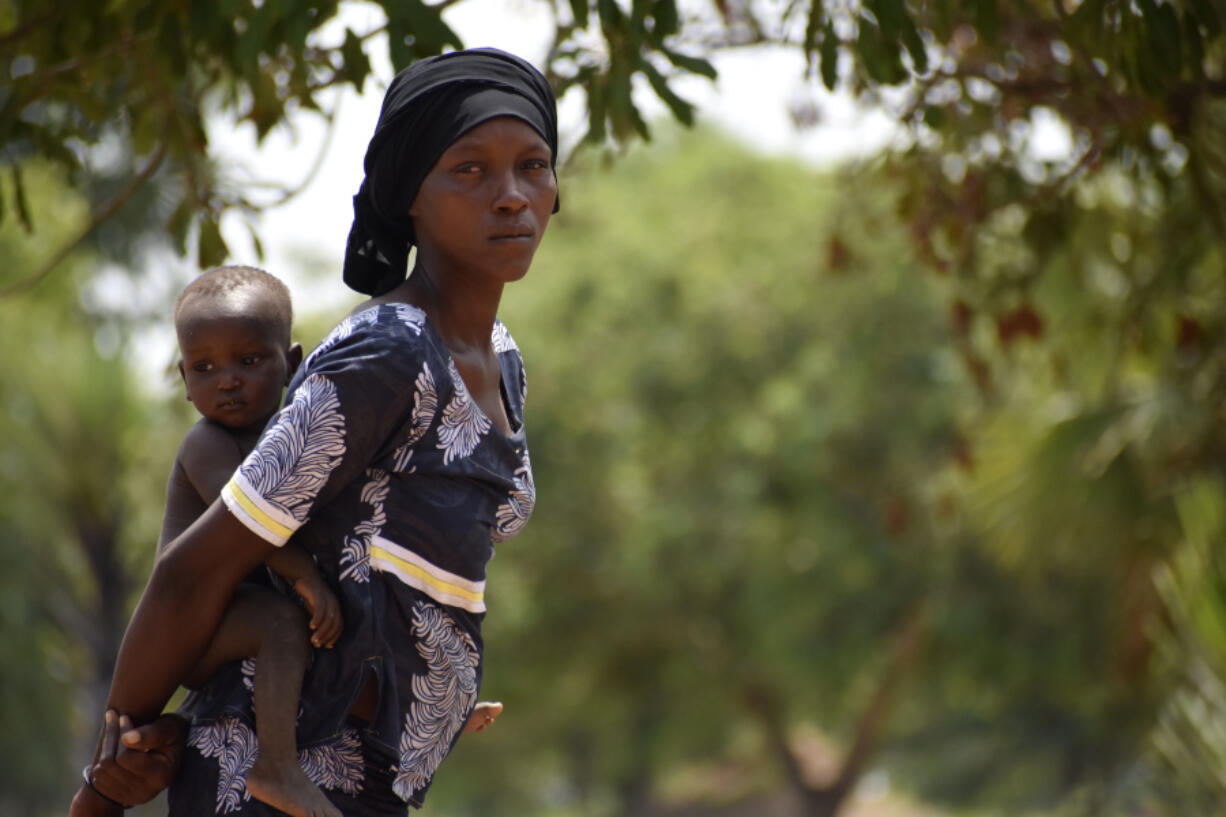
(202, 367)
(251, 360)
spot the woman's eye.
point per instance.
(536, 164)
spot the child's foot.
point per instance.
(285, 786)
(483, 716)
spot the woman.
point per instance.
(398, 460)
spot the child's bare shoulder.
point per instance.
(209, 455)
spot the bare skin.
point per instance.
(483, 716)
(234, 370)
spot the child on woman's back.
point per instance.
(233, 326)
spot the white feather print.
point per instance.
(425, 406)
(443, 697)
(234, 745)
(336, 765)
(341, 331)
(513, 515)
(299, 452)
(247, 672)
(501, 339)
(355, 554)
(411, 317)
(462, 425)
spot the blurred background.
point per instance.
(876, 374)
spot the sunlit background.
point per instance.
(876, 416)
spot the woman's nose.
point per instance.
(511, 196)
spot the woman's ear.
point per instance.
(294, 358)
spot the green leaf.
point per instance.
(1088, 19)
(695, 65)
(813, 25)
(1196, 47)
(934, 117)
(179, 225)
(881, 59)
(611, 15)
(597, 108)
(1208, 17)
(830, 57)
(356, 66)
(681, 109)
(212, 249)
(667, 20)
(579, 10)
(1162, 38)
(170, 43)
(987, 20)
(415, 30)
(256, 242)
(889, 14)
(914, 43)
(266, 106)
(19, 198)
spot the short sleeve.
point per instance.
(342, 414)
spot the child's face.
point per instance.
(234, 364)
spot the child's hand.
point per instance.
(325, 609)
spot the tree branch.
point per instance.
(100, 215)
(825, 801)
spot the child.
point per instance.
(233, 325)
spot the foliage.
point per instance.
(763, 503)
(753, 439)
(1190, 734)
(141, 77)
(1139, 86)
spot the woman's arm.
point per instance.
(191, 584)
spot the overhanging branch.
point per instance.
(99, 216)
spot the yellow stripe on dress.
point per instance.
(252, 516)
(441, 585)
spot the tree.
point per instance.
(1139, 86)
(764, 511)
(144, 76)
(84, 463)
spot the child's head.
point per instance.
(233, 325)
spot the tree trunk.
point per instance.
(828, 800)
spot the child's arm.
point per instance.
(297, 567)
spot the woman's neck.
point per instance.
(462, 315)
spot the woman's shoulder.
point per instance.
(399, 326)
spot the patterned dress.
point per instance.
(382, 467)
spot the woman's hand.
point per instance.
(133, 765)
(88, 803)
(325, 609)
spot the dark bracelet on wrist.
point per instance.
(89, 782)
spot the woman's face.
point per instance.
(484, 206)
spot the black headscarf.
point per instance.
(428, 106)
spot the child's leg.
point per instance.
(265, 624)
